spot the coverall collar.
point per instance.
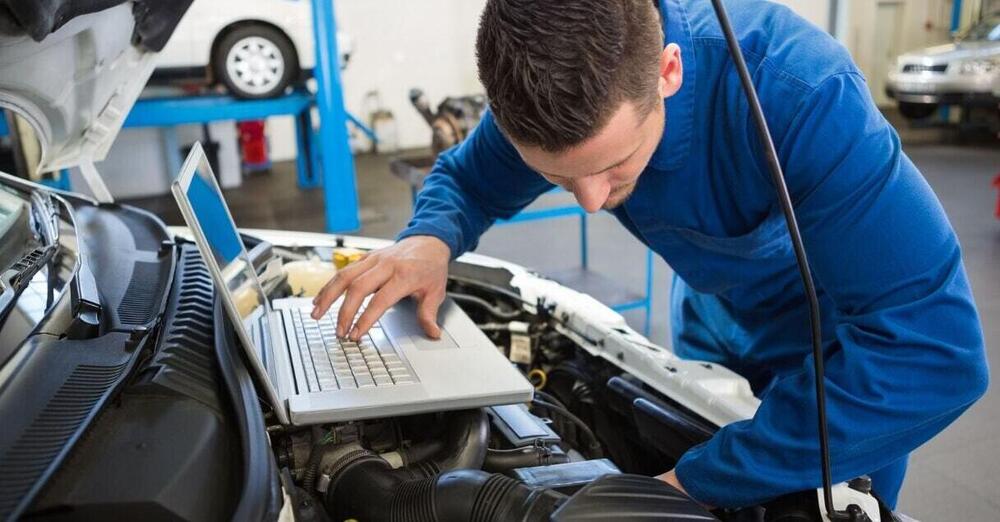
(675, 145)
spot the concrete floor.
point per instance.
(953, 477)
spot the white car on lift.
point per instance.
(965, 72)
(256, 49)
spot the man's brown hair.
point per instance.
(555, 71)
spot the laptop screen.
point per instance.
(229, 254)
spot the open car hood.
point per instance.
(76, 84)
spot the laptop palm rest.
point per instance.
(401, 325)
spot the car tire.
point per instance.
(917, 111)
(255, 61)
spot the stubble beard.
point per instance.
(618, 196)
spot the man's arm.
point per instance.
(471, 186)
(908, 355)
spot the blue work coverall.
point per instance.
(903, 344)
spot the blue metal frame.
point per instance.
(956, 20)
(169, 112)
(553, 213)
(339, 189)
(956, 15)
(3, 125)
(366, 130)
(60, 181)
(647, 301)
(573, 210)
(183, 110)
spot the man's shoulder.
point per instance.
(773, 35)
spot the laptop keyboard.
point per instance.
(331, 363)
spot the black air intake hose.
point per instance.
(463, 445)
(367, 488)
(502, 461)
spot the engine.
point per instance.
(584, 447)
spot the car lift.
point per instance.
(324, 157)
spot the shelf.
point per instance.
(600, 287)
(184, 110)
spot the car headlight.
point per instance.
(986, 66)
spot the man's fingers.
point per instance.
(387, 296)
(427, 314)
(362, 286)
(337, 284)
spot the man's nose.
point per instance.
(592, 192)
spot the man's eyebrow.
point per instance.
(623, 160)
(609, 167)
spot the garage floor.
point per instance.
(953, 477)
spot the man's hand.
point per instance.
(670, 477)
(416, 266)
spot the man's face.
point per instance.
(602, 171)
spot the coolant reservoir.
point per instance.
(307, 277)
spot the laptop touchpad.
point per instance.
(400, 324)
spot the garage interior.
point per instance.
(430, 47)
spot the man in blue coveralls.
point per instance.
(635, 107)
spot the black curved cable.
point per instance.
(593, 450)
(778, 178)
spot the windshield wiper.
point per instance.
(44, 221)
(45, 218)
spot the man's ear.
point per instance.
(671, 71)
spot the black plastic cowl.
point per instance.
(634, 498)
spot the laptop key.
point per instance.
(380, 341)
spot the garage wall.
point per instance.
(427, 44)
(400, 44)
(816, 11)
(880, 30)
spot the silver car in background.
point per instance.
(966, 72)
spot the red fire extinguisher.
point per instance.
(253, 145)
(996, 185)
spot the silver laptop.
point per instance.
(309, 375)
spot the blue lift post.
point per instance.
(956, 15)
(339, 187)
(956, 22)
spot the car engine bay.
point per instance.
(178, 431)
(511, 462)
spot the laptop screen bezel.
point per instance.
(197, 160)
